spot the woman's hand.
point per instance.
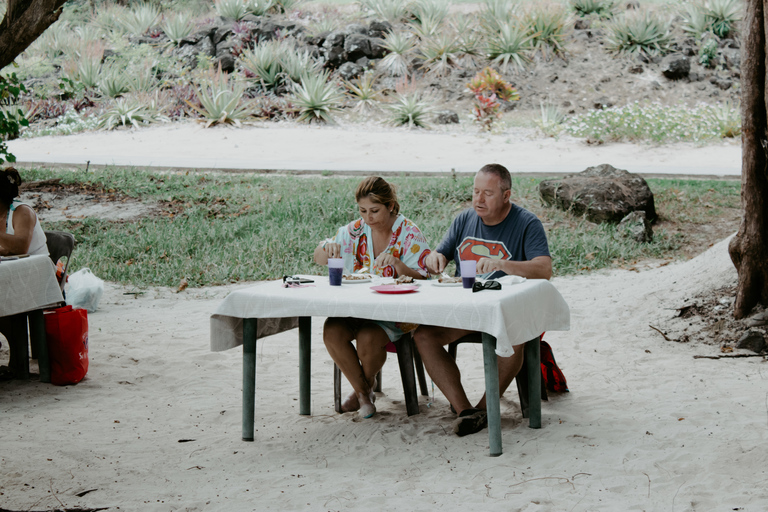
(385, 259)
(326, 250)
(333, 250)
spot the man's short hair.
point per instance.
(501, 172)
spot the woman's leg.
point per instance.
(372, 350)
(338, 335)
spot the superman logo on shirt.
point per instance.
(476, 248)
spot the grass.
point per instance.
(222, 228)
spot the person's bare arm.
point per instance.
(23, 227)
(539, 267)
(436, 262)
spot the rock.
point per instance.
(636, 227)
(446, 117)
(227, 62)
(757, 319)
(356, 28)
(205, 46)
(602, 194)
(581, 24)
(350, 70)
(636, 69)
(187, 55)
(222, 33)
(752, 340)
(379, 29)
(732, 57)
(602, 103)
(334, 39)
(356, 46)
(675, 66)
(721, 83)
(195, 38)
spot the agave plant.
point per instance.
(178, 27)
(316, 97)
(496, 14)
(400, 46)
(113, 82)
(695, 20)
(220, 99)
(57, 39)
(429, 11)
(393, 11)
(410, 109)
(298, 64)
(363, 92)
(546, 27)
(142, 78)
(233, 9)
(259, 7)
(286, 5)
(140, 19)
(723, 16)
(552, 118)
(511, 47)
(88, 71)
(124, 112)
(641, 32)
(600, 8)
(440, 53)
(263, 62)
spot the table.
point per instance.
(512, 316)
(27, 286)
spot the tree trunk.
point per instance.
(25, 21)
(749, 249)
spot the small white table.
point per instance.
(27, 286)
(511, 316)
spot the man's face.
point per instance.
(488, 200)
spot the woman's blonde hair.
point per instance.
(379, 191)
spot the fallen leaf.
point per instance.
(183, 285)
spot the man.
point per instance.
(504, 239)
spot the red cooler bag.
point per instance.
(66, 330)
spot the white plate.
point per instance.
(438, 283)
(356, 281)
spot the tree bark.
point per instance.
(25, 21)
(749, 249)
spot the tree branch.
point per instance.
(25, 21)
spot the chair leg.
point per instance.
(533, 364)
(405, 361)
(39, 344)
(419, 369)
(336, 388)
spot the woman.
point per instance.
(20, 233)
(384, 243)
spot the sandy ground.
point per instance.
(155, 426)
(374, 149)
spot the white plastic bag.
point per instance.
(84, 290)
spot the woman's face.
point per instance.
(374, 214)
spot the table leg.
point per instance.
(533, 365)
(491, 367)
(305, 359)
(39, 343)
(249, 376)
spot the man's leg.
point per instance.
(440, 365)
(509, 367)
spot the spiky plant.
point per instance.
(429, 11)
(142, 77)
(393, 11)
(496, 14)
(545, 25)
(640, 32)
(510, 48)
(140, 19)
(440, 53)
(112, 82)
(56, 40)
(316, 98)
(363, 92)
(410, 109)
(263, 62)
(599, 8)
(400, 47)
(724, 15)
(178, 27)
(297, 64)
(220, 99)
(124, 112)
(695, 20)
(552, 118)
(233, 9)
(88, 71)
(727, 119)
(287, 5)
(259, 7)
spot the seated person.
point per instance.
(384, 243)
(504, 239)
(20, 233)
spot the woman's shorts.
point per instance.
(393, 330)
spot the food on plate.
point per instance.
(356, 277)
(404, 280)
(448, 280)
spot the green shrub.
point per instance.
(113, 82)
(640, 32)
(600, 8)
(723, 16)
(263, 62)
(401, 46)
(11, 116)
(488, 88)
(545, 25)
(178, 27)
(708, 53)
(140, 19)
(220, 98)
(439, 53)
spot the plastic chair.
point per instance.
(60, 245)
(407, 358)
(521, 379)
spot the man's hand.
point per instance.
(486, 265)
(435, 262)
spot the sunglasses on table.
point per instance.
(486, 285)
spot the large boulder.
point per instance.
(601, 193)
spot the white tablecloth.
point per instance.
(27, 284)
(513, 315)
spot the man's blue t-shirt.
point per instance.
(519, 237)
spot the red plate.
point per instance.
(395, 288)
